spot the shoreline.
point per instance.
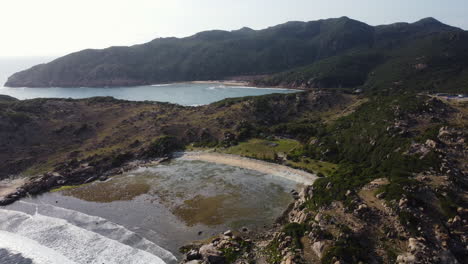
(226, 82)
(232, 83)
(13, 190)
(299, 176)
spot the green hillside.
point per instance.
(334, 53)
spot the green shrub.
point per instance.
(121, 158)
(18, 118)
(348, 249)
(296, 232)
(162, 146)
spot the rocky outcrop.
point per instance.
(80, 174)
(224, 248)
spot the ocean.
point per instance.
(188, 94)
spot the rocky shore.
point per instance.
(80, 174)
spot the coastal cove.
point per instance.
(187, 94)
(168, 205)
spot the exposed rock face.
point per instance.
(319, 248)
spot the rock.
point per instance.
(56, 174)
(216, 259)
(462, 211)
(402, 202)
(193, 262)
(431, 144)
(414, 246)
(318, 217)
(288, 259)
(456, 221)
(407, 259)
(228, 233)
(192, 255)
(283, 245)
(7, 201)
(209, 250)
(295, 195)
(103, 178)
(362, 207)
(319, 248)
(380, 195)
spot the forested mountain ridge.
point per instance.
(217, 54)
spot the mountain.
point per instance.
(426, 55)
(220, 54)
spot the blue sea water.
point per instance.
(179, 93)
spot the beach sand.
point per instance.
(228, 83)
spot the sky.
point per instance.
(58, 27)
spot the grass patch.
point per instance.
(232, 255)
(264, 149)
(66, 187)
(296, 231)
(162, 146)
(347, 249)
(315, 166)
(272, 253)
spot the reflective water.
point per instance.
(179, 93)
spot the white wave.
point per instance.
(75, 243)
(161, 85)
(31, 249)
(100, 226)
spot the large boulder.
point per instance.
(211, 254)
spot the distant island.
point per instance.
(331, 53)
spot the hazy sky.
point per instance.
(57, 27)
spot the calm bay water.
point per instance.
(179, 93)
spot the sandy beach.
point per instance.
(228, 83)
(253, 164)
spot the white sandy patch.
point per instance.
(10, 185)
(253, 164)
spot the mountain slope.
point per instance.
(432, 62)
(222, 54)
